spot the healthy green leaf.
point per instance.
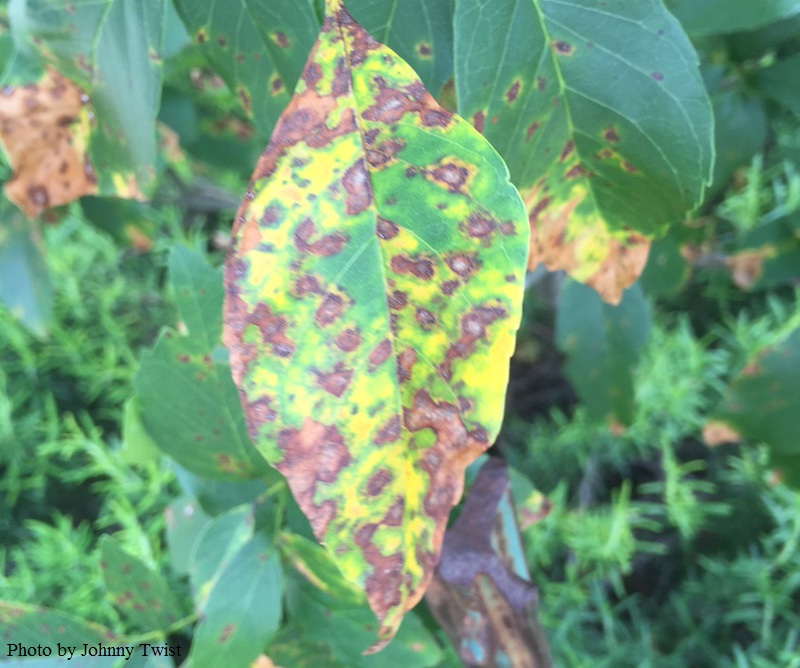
(372, 299)
(602, 344)
(185, 521)
(112, 49)
(602, 117)
(142, 595)
(712, 17)
(781, 81)
(187, 400)
(258, 47)
(25, 287)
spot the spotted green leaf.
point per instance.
(142, 595)
(240, 597)
(257, 46)
(186, 398)
(601, 114)
(372, 298)
(112, 50)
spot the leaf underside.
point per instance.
(372, 298)
(601, 115)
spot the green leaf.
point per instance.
(373, 295)
(602, 344)
(781, 82)
(27, 625)
(666, 271)
(142, 596)
(243, 608)
(25, 287)
(419, 31)
(257, 47)
(112, 49)
(712, 17)
(603, 119)
(187, 400)
(346, 629)
(185, 521)
(138, 447)
(763, 401)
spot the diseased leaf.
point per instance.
(602, 117)
(112, 50)
(45, 130)
(419, 31)
(372, 299)
(25, 287)
(482, 594)
(257, 47)
(712, 17)
(187, 400)
(142, 595)
(185, 520)
(763, 401)
(602, 344)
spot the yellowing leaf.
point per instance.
(372, 298)
(44, 128)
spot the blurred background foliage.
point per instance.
(653, 445)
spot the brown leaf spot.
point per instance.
(314, 453)
(479, 121)
(385, 153)
(513, 92)
(577, 171)
(390, 104)
(541, 84)
(569, 147)
(271, 216)
(336, 381)
(276, 85)
(382, 477)
(563, 48)
(397, 300)
(424, 50)
(244, 96)
(330, 244)
(380, 354)
(202, 36)
(473, 328)
(389, 433)
(463, 265)
(449, 287)
(358, 187)
(383, 584)
(419, 266)
(280, 40)
(348, 340)
(307, 284)
(657, 76)
(312, 74)
(330, 310)
(610, 135)
(435, 117)
(387, 229)
(258, 412)
(425, 318)
(450, 174)
(341, 79)
(405, 362)
(628, 167)
(221, 41)
(479, 226)
(533, 127)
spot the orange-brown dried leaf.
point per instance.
(44, 127)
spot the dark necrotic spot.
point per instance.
(37, 194)
(451, 176)
(348, 340)
(405, 362)
(378, 480)
(397, 300)
(513, 92)
(389, 433)
(312, 74)
(420, 267)
(387, 229)
(425, 317)
(329, 311)
(359, 190)
(479, 121)
(449, 287)
(462, 264)
(480, 227)
(380, 354)
(335, 382)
